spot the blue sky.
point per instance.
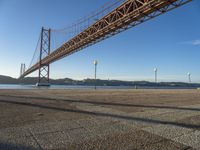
(170, 42)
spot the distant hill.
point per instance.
(91, 82)
(7, 80)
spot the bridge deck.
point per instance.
(128, 14)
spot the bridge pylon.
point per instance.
(43, 76)
(22, 69)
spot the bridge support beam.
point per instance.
(43, 76)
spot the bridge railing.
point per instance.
(60, 36)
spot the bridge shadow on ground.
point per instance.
(107, 103)
(144, 120)
(10, 146)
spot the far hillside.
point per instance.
(91, 82)
(7, 80)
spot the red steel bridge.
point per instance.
(113, 18)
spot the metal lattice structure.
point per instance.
(43, 77)
(129, 14)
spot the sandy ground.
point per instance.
(102, 119)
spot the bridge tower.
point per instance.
(43, 76)
(22, 69)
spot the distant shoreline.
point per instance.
(19, 86)
(5, 80)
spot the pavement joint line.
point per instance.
(123, 114)
(58, 131)
(158, 115)
(159, 141)
(175, 136)
(88, 129)
(171, 111)
(164, 139)
(133, 114)
(172, 139)
(35, 139)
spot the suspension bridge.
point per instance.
(112, 18)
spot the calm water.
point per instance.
(17, 86)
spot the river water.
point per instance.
(18, 86)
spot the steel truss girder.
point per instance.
(127, 15)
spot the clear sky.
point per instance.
(170, 42)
